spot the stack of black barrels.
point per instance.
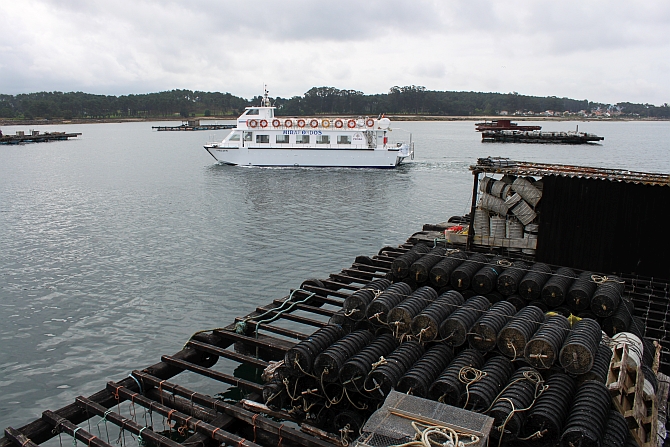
(468, 330)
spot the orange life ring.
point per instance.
(339, 123)
(369, 122)
(314, 123)
(301, 123)
(253, 123)
(325, 123)
(288, 123)
(351, 124)
(276, 123)
(264, 123)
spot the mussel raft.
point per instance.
(490, 354)
(471, 326)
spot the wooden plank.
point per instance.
(250, 417)
(323, 292)
(350, 279)
(63, 425)
(211, 349)
(212, 374)
(340, 285)
(291, 317)
(18, 438)
(363, 274)
(369, 268)
(276, 330)
(312, 309)
(263, 341)
(124, 423)
(182, 419)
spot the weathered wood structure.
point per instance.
(36, 137)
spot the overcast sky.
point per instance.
(605, 51)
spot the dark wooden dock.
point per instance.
(193, 125)
(36, 137)
(515, 136)
(150, 407)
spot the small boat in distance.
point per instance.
(263, 139)
(503, 125)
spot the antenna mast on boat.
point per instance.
(265, 102)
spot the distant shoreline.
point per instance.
(9, 122)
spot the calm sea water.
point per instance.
(116, 247)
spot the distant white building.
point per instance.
(503, 112)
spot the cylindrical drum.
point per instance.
(601, 366)
(386, 376)
(542, 350)
(440, 274)
(507, 419)
(448, 387)
(379, 309)
(520, 328)
(419, 271)
(427, 324)
(486, 278)
(328, 364)
(456, 327)
(497, 227)
(401, 316)
(418, 379)
(547, 416)
(526, 190)
(581, 291)
(556, 288)
(523, 212)
(530, 287)
(493, 204)
(580, 347)
(588, 416)
(509, 279)
(607, 297)
(485, 385)
(530, 233)
(401, 264)
(462, 275)
(355, 304)
(621, 319)
(514, 232)
(484, 334)
(482, 223)
(356, 369)
(300, 358)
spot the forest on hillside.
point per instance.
(407, 100)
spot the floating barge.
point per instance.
(503, 125)
(301, 408)
(192, 125)
(36, 137)
(517, 136)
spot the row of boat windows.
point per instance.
(299, 139)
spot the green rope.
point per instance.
(241, 326)
(140, 441)
(74, 439)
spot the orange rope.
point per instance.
(26, 442)
(279, 433)
(116, 393)
(253, 421)
(241, 443)
(89, 441)
(215, 430)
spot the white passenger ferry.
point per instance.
(262, 139)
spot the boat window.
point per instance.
(282, 139)
(262, 138)
(323, 139)
(302, 139)
(234, 137)
(343, 139)
(252, 112)
(247, 136)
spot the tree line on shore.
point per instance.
(407, 100)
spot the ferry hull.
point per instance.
(354, 158)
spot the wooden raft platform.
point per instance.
(36, 137)
(147, 406)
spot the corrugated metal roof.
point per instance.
(497, 165)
